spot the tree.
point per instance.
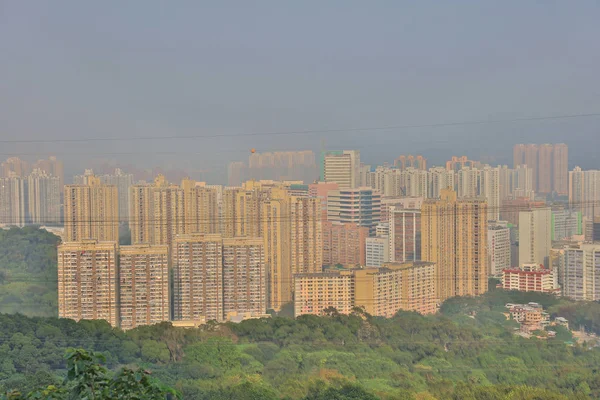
(88, 379)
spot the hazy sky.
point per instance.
(74, 69)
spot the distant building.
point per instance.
(566, 224)
(579, 269)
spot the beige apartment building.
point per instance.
(342, 167)
(198, 277)
(91, 211)
(244, 276)
(87, 281)
(143, 285)
(454, 236)
(380, 291)
(344, 244)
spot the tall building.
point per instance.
(319, 190)
(14, 166)
(498, 248)
(13, 201)
(201, 207)
(344, 244)
(91, 212)
(52, 167)
(276, 236)
(579, 270)
(454, 237)
(244, 276)
(306, 234)
(565, 224)
(376, 251)
(361, 206)
(490, 190)
(282, 166)
(544, 170)
(43, 195)
(341, 167)
(198, 277)
(535, 236)
(380, 291)
(123, 183)
(144, 295)
(560, 169)
(417, 162)
(584, 192)
(404, 238)
(549, 164)
(87, 281)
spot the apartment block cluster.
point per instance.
(386, 238)
(30, 193)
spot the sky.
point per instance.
(111, 69)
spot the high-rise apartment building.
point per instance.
(91, 211)
(380, 291)
(489, 188)
(215, 276)
(123, 183)
(306, 242)
(544, 170)
(376, 251)
(361, 206)
(87, 281)
(454, 236)
(565, 224)
(498, 248)
(144, 295)
(549, 163)
(404, 238)
(201, 207)
(560, 169)
(198, 277)
(244, 276)
(417, 162)
(12, 201)
(584, 192)
(43, 195)
(344, 244)
(52, 167)
(14, 166)
(579, 270)
(341, 167)
(535, 236)
(319, 190)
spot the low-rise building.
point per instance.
(529, 278)
(380, 291)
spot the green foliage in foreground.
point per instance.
(88, 379)
(335, 357)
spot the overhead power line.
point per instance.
(303, 132)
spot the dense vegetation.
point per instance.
(467, 351)
(28, 273)
(406, 357)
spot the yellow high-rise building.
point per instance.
(198, 277)
(91, 211)
(454, 236)
(144, 295)
(87, 281)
